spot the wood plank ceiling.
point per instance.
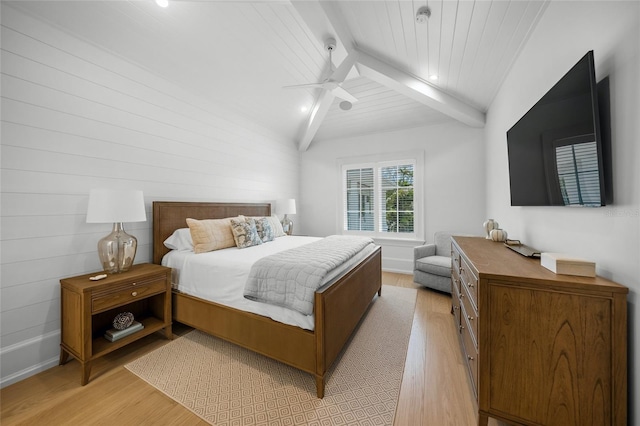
(240, 54)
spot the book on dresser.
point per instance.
(114, 334)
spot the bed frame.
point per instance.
(338, 308)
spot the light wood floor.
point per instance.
(435, 388)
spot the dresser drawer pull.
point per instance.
(470, 318)
(135, 293)
(469, 357)
(134, 283)
(470, 285)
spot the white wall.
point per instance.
(611, 235)
(74, 118)
(453, 182)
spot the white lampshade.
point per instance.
(287, 206)
(111, 206)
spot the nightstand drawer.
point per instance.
(118, 295)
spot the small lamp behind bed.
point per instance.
(286, 207)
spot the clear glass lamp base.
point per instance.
(117, 250)
(287, 225)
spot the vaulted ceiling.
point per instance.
(241, 54)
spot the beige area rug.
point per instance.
(228, 385)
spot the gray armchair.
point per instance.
(432, 263)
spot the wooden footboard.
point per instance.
(338, 307)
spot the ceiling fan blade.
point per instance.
(344, 95)
(297, 86)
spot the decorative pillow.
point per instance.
(211, 234)
(265, 232)
(276, 225)
(180, 240)
(245, 232)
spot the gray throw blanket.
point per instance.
(291, 277)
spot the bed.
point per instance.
(338, 307)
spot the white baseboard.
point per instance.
(28, 372)
(397, 265)
(29, 357)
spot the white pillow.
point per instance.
(180, 240)
(276, 225)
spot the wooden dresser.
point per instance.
(541, 348)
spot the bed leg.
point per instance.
(320, 386)
(380, 291)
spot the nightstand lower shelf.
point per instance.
(101, 346)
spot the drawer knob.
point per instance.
(470, 285)
(135, 293)
(470, 318)
(469, 357)
(134, 283)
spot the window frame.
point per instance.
(377, 162)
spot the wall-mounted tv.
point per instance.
(559, 151)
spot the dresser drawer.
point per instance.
(470, 353)
(455, 259)
(119, 295)
(455, 281)
(469, 281)
(470, 315)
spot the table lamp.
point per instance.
(118, 249)
(286, 207)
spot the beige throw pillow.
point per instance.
(211, 234)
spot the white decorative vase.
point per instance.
(498, 235)
(489, 225)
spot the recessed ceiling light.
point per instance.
(433, 77)
(162, 3)
(345, 105)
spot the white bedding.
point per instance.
(220, 276)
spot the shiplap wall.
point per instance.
(75, 117)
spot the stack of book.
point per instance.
(114, 334)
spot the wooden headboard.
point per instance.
(171, 215)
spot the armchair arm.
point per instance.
(424, 251)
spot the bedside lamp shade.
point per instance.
(117, 250)
(286, 207)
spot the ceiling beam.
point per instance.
(313, 14)
(318, 112)
(416, 89)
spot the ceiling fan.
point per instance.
(334, 81)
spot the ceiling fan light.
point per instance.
(345, 105)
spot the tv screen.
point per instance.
(556, 150)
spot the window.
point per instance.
(379, 198)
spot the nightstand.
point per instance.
(89, 307)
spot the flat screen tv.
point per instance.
(558, 153)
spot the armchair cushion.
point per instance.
(436, 265)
